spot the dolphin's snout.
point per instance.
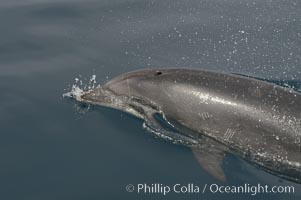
(97, 96)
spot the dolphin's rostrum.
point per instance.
(213, 113)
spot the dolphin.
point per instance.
(214, 114)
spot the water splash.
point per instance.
(77, 89)
(80, 86)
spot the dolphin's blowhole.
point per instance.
(158, 73)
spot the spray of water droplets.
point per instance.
(80, 85)
(77, 89)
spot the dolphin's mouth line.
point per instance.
(102, 97)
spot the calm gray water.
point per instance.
(48, 150)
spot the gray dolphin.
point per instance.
(213, 113)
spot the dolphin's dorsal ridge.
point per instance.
(211, 161)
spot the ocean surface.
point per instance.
(52, 149)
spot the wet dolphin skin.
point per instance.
(213, 112)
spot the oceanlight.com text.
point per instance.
(190, 188)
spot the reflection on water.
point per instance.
(48, 152)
